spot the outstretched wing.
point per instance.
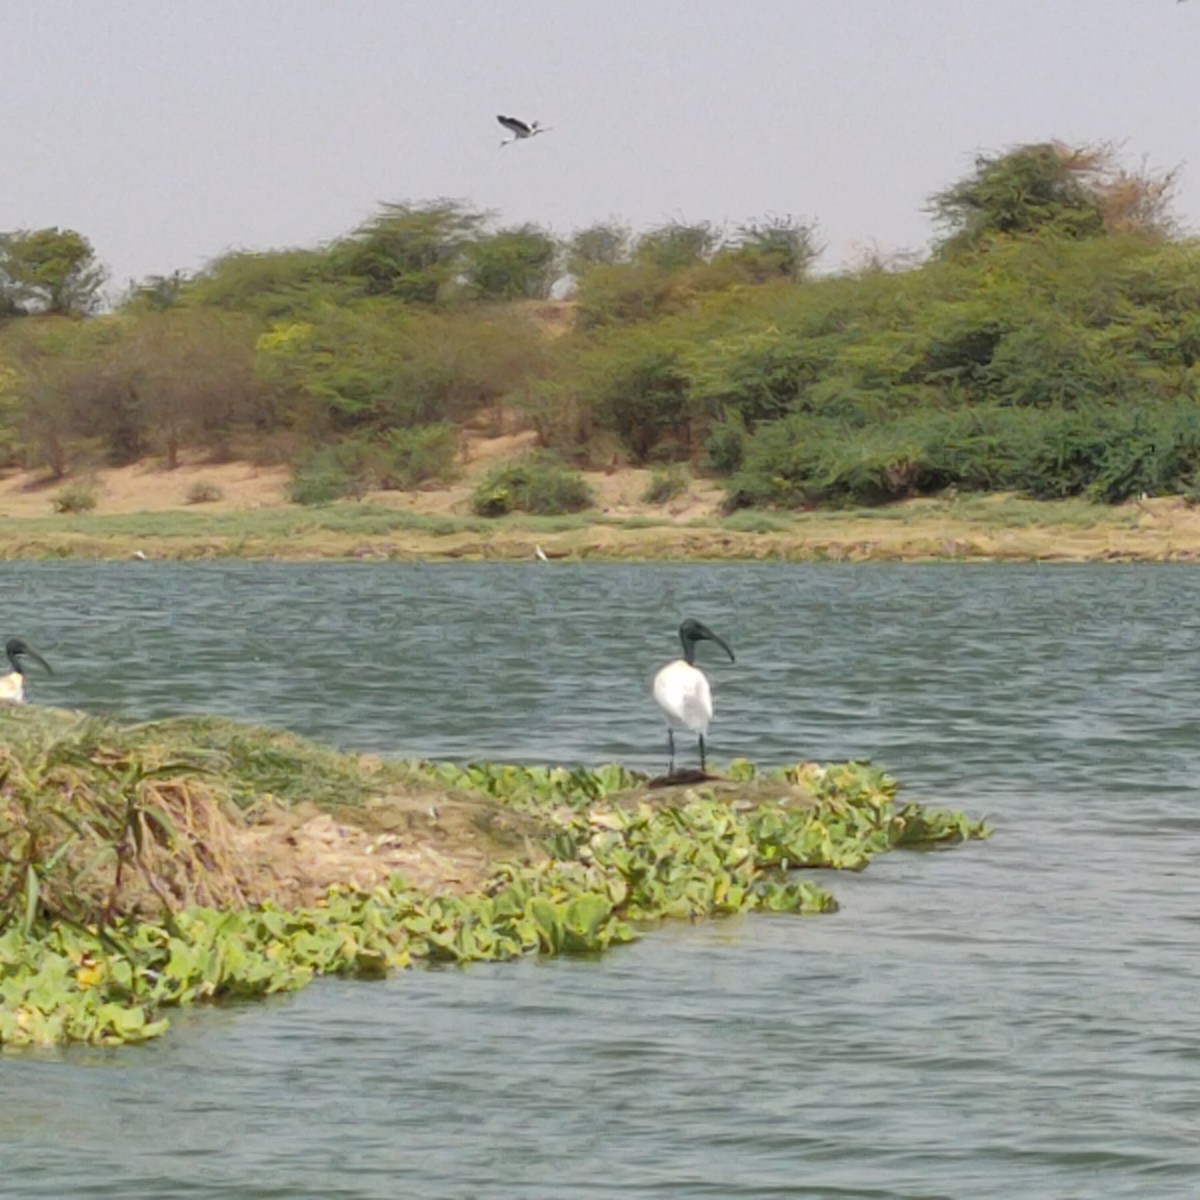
(514, 126)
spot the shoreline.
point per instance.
(368, 533)
(143, 512)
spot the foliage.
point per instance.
(538, 483)
(604, 244)
(383, 366)
(78, 497)
(779, 247)
(1051, 344)
(325, 474)
(512, 264)
(408, 251)
(1051, 188)
(666, 483)
(401, 459)
(676, 246)
(204, 491)
(49, 271)
(1105, 452)
(88, 808)
(268, 285)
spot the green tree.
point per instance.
(677, 246)
(1047, 187)
(410, 251)
(604, 244)
(50, 271)
(779, 247)
(513, 264)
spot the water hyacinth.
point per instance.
(109, 835)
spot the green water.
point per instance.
(1012, 1018)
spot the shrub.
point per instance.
(203, 491)
(726, 446)
(77, 498)
(665, 484)
(409, 457)
(539, 483)
(322, 477)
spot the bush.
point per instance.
(396, 461)
(77, 498)
(203, 491)
(322, 477)
(539, 483)
(1106, 452)
(665, 484)
(408, 458)
(726, 446)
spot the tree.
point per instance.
(50, 271)
(1071, 192)
(676, 246)
(604, 244)
(513, 264)
(410, 251)
(779, 247)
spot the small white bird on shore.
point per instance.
(520, 129)
(12, 686)
(681, 689)
(540, 554)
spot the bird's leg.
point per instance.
(671, 745)
(702, 752)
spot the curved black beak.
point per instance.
(712, 637)
(17, 651)
(700, 632)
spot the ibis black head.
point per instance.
(692, 631)
(17, 651)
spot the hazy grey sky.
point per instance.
(171, 131)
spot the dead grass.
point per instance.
(200, 811)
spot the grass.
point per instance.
(955, 527)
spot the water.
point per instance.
(1016, 1017)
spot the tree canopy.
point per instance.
(49, 271)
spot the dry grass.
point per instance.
(116, 820)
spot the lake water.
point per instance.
(1017, 1017)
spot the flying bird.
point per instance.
(681, 689)
(519, 129)
(12, 686)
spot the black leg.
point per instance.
(702, 752)
(671, 744)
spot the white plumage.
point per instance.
(12, 686)
(682, 690)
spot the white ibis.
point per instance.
(12, 686)
(519, 129)
(681, 689)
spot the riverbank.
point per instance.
(144, 512)
(985, 529)
(149, 866)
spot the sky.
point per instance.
(169, 132)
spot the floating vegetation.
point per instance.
(148, 866)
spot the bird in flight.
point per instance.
(519, 129)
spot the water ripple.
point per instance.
(1015, 1017)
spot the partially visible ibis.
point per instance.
(12, 686)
